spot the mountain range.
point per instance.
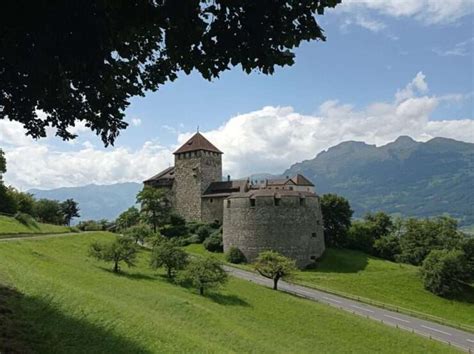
(405, 177)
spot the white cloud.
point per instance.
(266, 140)
(136, 122)
(425, 11)
(463, 48)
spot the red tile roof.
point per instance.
(196, 143)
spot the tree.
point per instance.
(128, 218)
(138, 233)
(155, 205)
(122, 249)
(204, 273)
(87, 59)
(274, 266)
(25, 201)
(363, 234)
(421, 236)
(337, 215)
(443, 272)
(49, 211)
(70, 210)
(3, 165)
(169, 255)
(387, 247)
(467, 246)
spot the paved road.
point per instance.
(462, 340)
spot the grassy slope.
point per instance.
(358, 274)
(77, 305)
(12, 226)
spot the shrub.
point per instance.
(443, 272)
(235, 255)
(193, 239)
(193, 226)
(387, 247)
(171, 231)
(204, 231)
(214, 243)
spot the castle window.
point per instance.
(313, 258)
(313, 234)
(228, 203)
(277, 201)
(318, 222)
(211, 200)
(302, 201)
(291, 188)
(252, 202)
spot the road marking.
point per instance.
(396, 318)
(361, 308)
(470, 340)
(436, 330)
(328, 298)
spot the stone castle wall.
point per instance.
(212, 210)
(292, 228)
(194, 171)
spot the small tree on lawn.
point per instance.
(274, 266)
(122, 249)
(168, 255)
(138, 233)
(204, 274)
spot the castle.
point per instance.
(283, 215)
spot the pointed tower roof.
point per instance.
(196, 143)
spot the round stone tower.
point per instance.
(286, 221)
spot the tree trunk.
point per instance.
(169, 273)
(201, 290)
(275, 283)
(116, 267)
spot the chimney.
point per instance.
(228, 178)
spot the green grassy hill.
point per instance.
(376, 280)
(75, 304)
(11, 226)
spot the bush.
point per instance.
(193, 226)
(171, 231)
(235, 256)
(387, 247)
(203, 232)
(176, 220)
(26, 219)
(443, 272)
(193, 239)
(214, 243)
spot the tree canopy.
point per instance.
(275, 266)
(82, 61)
(337, 215)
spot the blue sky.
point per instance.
(345, 88)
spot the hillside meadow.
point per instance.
(70, 303)
(373, 279)
(10, 226)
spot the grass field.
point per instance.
(11, 226)
(77, 305)
(358, 274)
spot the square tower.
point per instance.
(197, 163)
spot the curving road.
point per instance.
(451, 336)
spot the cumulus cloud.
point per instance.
(425, 11)
(267, 140)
